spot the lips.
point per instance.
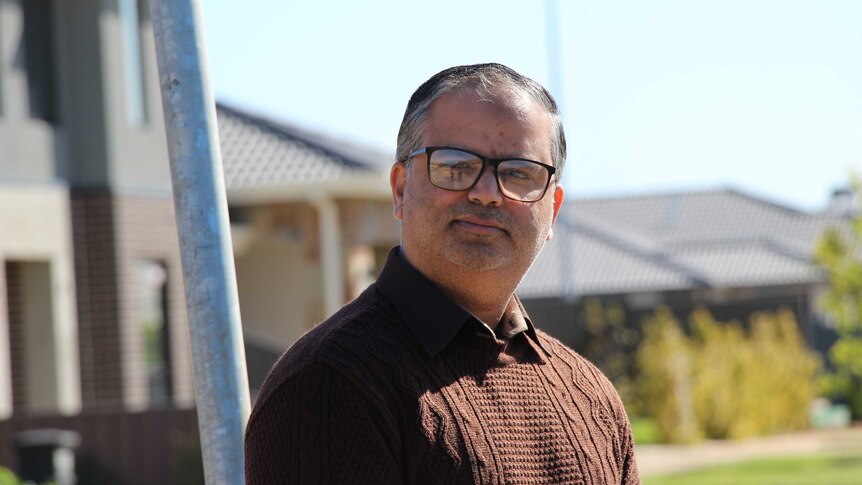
(479, 224)
(478, 221)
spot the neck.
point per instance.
(485, 294)
(487, 308)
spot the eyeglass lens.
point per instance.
(458, 170)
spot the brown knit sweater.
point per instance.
(359, 400)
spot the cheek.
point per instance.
(418, 208)
(542, 220)
(430, 202)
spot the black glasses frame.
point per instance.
(495, 162)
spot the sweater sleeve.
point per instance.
(630, 475)
(317, 427)
(628, 464)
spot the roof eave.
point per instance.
(373, 186)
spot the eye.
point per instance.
(517, 173)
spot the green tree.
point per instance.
(839, 252)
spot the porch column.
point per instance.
(331, 257)
(5, 352)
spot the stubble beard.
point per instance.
(454, 249)
(480, 253)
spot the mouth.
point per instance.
(479, 225)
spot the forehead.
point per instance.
(508, 101)
(496, 124)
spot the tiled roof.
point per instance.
(259, 153)
(676, 241)
(660, 242)
(577, 263)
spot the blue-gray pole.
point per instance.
(554, 46)
(221, 382)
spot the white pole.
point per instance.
(331, 257)
(221, 382)
(554, 52)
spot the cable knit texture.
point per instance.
(357, 400)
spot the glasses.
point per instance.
(456, 169)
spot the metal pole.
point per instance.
(221, 382)
(554, 46)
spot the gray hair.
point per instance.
(487, 81)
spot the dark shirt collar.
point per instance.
(431, 316)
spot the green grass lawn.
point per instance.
(804, 470)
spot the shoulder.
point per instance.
(561, 351)
(319, 427)
(587, 384)
(582, 374)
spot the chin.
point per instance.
(478, 257)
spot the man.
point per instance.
(435, 374)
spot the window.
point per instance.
(39, 58)
(14, 304)
(131, 16)
(152, 323)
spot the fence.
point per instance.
(122, 448)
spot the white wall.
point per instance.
(34, 227)
(29, 146)
(278, 274)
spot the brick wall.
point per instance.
(146, 231)
(94, 240)
(111, 232)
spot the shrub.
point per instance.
(723, 381)
(610, 343)
(9, 478)
(664, 386)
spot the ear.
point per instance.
(397, 181)
(558, 202)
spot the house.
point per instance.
(724, 250)
(311, 218)
(93, 328)
(93, 333)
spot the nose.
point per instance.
(486, 191)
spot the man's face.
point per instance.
(476, 229)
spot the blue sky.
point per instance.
(762, 96)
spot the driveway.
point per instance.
(662, 459)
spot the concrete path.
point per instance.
(662, 459)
